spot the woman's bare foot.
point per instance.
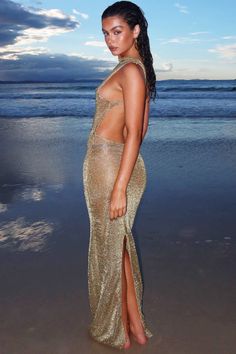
(127, 341)
(127, 344)
(138, 334)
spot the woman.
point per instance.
(114, 179)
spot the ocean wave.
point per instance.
(176, 99)
(153, 116)
(196, 89)
(57, 96)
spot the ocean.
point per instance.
(176, 98)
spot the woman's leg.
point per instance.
(124, 300)
(132, 307)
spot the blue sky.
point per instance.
(61, 40)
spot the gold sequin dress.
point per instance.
(100, 169)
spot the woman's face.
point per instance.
(118, 35)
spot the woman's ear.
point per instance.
(136, 31)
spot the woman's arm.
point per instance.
(146, 117)
(133, 86)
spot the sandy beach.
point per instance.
(184, 231)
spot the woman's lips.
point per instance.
(113, 48)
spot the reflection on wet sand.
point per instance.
(18, 235)
(3, 208)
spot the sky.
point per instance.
(49, 40)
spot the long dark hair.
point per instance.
(133, 15)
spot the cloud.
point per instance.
(191, 38)
(13, 54)
(181, 40)
(175, 40)
(225, 51)
(182, 8)
(198, 33)
(22, 25)
(165, 67)
(228, 37)
(95, 44)
(83, 15)
(53, 67)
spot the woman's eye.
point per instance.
(116, 32)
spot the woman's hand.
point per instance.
(118, 202)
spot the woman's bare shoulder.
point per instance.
(132, 72)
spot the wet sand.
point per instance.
(184, 232)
